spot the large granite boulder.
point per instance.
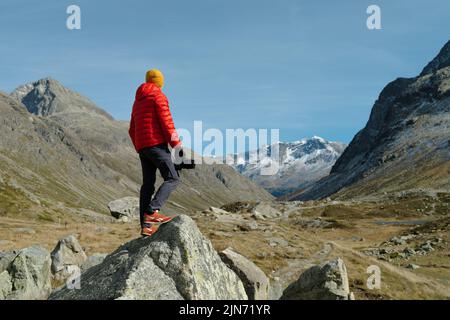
(265, 210)
(328, 281)
(125, 209)
(177, 262)
(256, 283)
(67, 254)
(93, 260)
(25, 274)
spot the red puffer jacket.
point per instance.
(151, 121)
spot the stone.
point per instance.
(409, 251)
(275, 241)
(25, 274)
(5, 285)
(427, 247)
(398, 241)
(328, 281)
(93, 260)
(258, 216)
(125, 207)
(67, 254)
(218, 211)
(177, 262)
(266, 211)
(255, 282)
(412, 266)
(249, 226)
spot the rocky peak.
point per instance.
(47, 97)
(442, 60)
(410, 116)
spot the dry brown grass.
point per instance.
(353, 231)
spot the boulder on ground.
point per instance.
(265, 210)
(67, 254)
(93, 260)
(25, 274)
(177, 262)
(327, 281)
(256, 283)
(126, 209)
(5, 285)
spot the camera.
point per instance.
(185, 164)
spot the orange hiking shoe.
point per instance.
(148, 231)
(156, 217)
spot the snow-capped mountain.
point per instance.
(300, 164)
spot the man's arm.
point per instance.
(131, 131)
(166, 121)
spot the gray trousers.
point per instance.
(152, 158)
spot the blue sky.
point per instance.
(306, 67)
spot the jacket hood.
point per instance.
(147, 89)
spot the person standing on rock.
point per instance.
(151, 131)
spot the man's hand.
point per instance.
(179, 154)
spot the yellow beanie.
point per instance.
(155, 76)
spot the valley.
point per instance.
(305, 234)
(383, 200)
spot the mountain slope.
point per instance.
(404, 145)
(59, 150)
(301, 164)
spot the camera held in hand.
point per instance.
(187, 164)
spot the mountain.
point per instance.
(60, 152)
(405, 144)
(301, 163)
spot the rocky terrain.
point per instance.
(404, 145)
(258, 250)
(301, 164)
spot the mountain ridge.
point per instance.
(404, 144)
(302, 163)
(59, 150)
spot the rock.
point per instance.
(218, 210)
(398, 241)
(314, 223)
(93, 260)
(255, 282)
(67, 253)
(124, 219)
(177, 262)
(125, 207)
(412, 266)
(249, 226)
(25, 274)
(327, 281)
(5, 285)
(274, 241)
(266, 211)
(258, 216)
(409, 251)
(427, 247)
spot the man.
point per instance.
(151, 130)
